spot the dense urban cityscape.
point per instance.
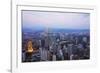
(55, 36)
(55, 45)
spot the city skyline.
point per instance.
(55, 36)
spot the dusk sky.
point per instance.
(68, 20)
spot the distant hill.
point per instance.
(56, 30)
(69, 30)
